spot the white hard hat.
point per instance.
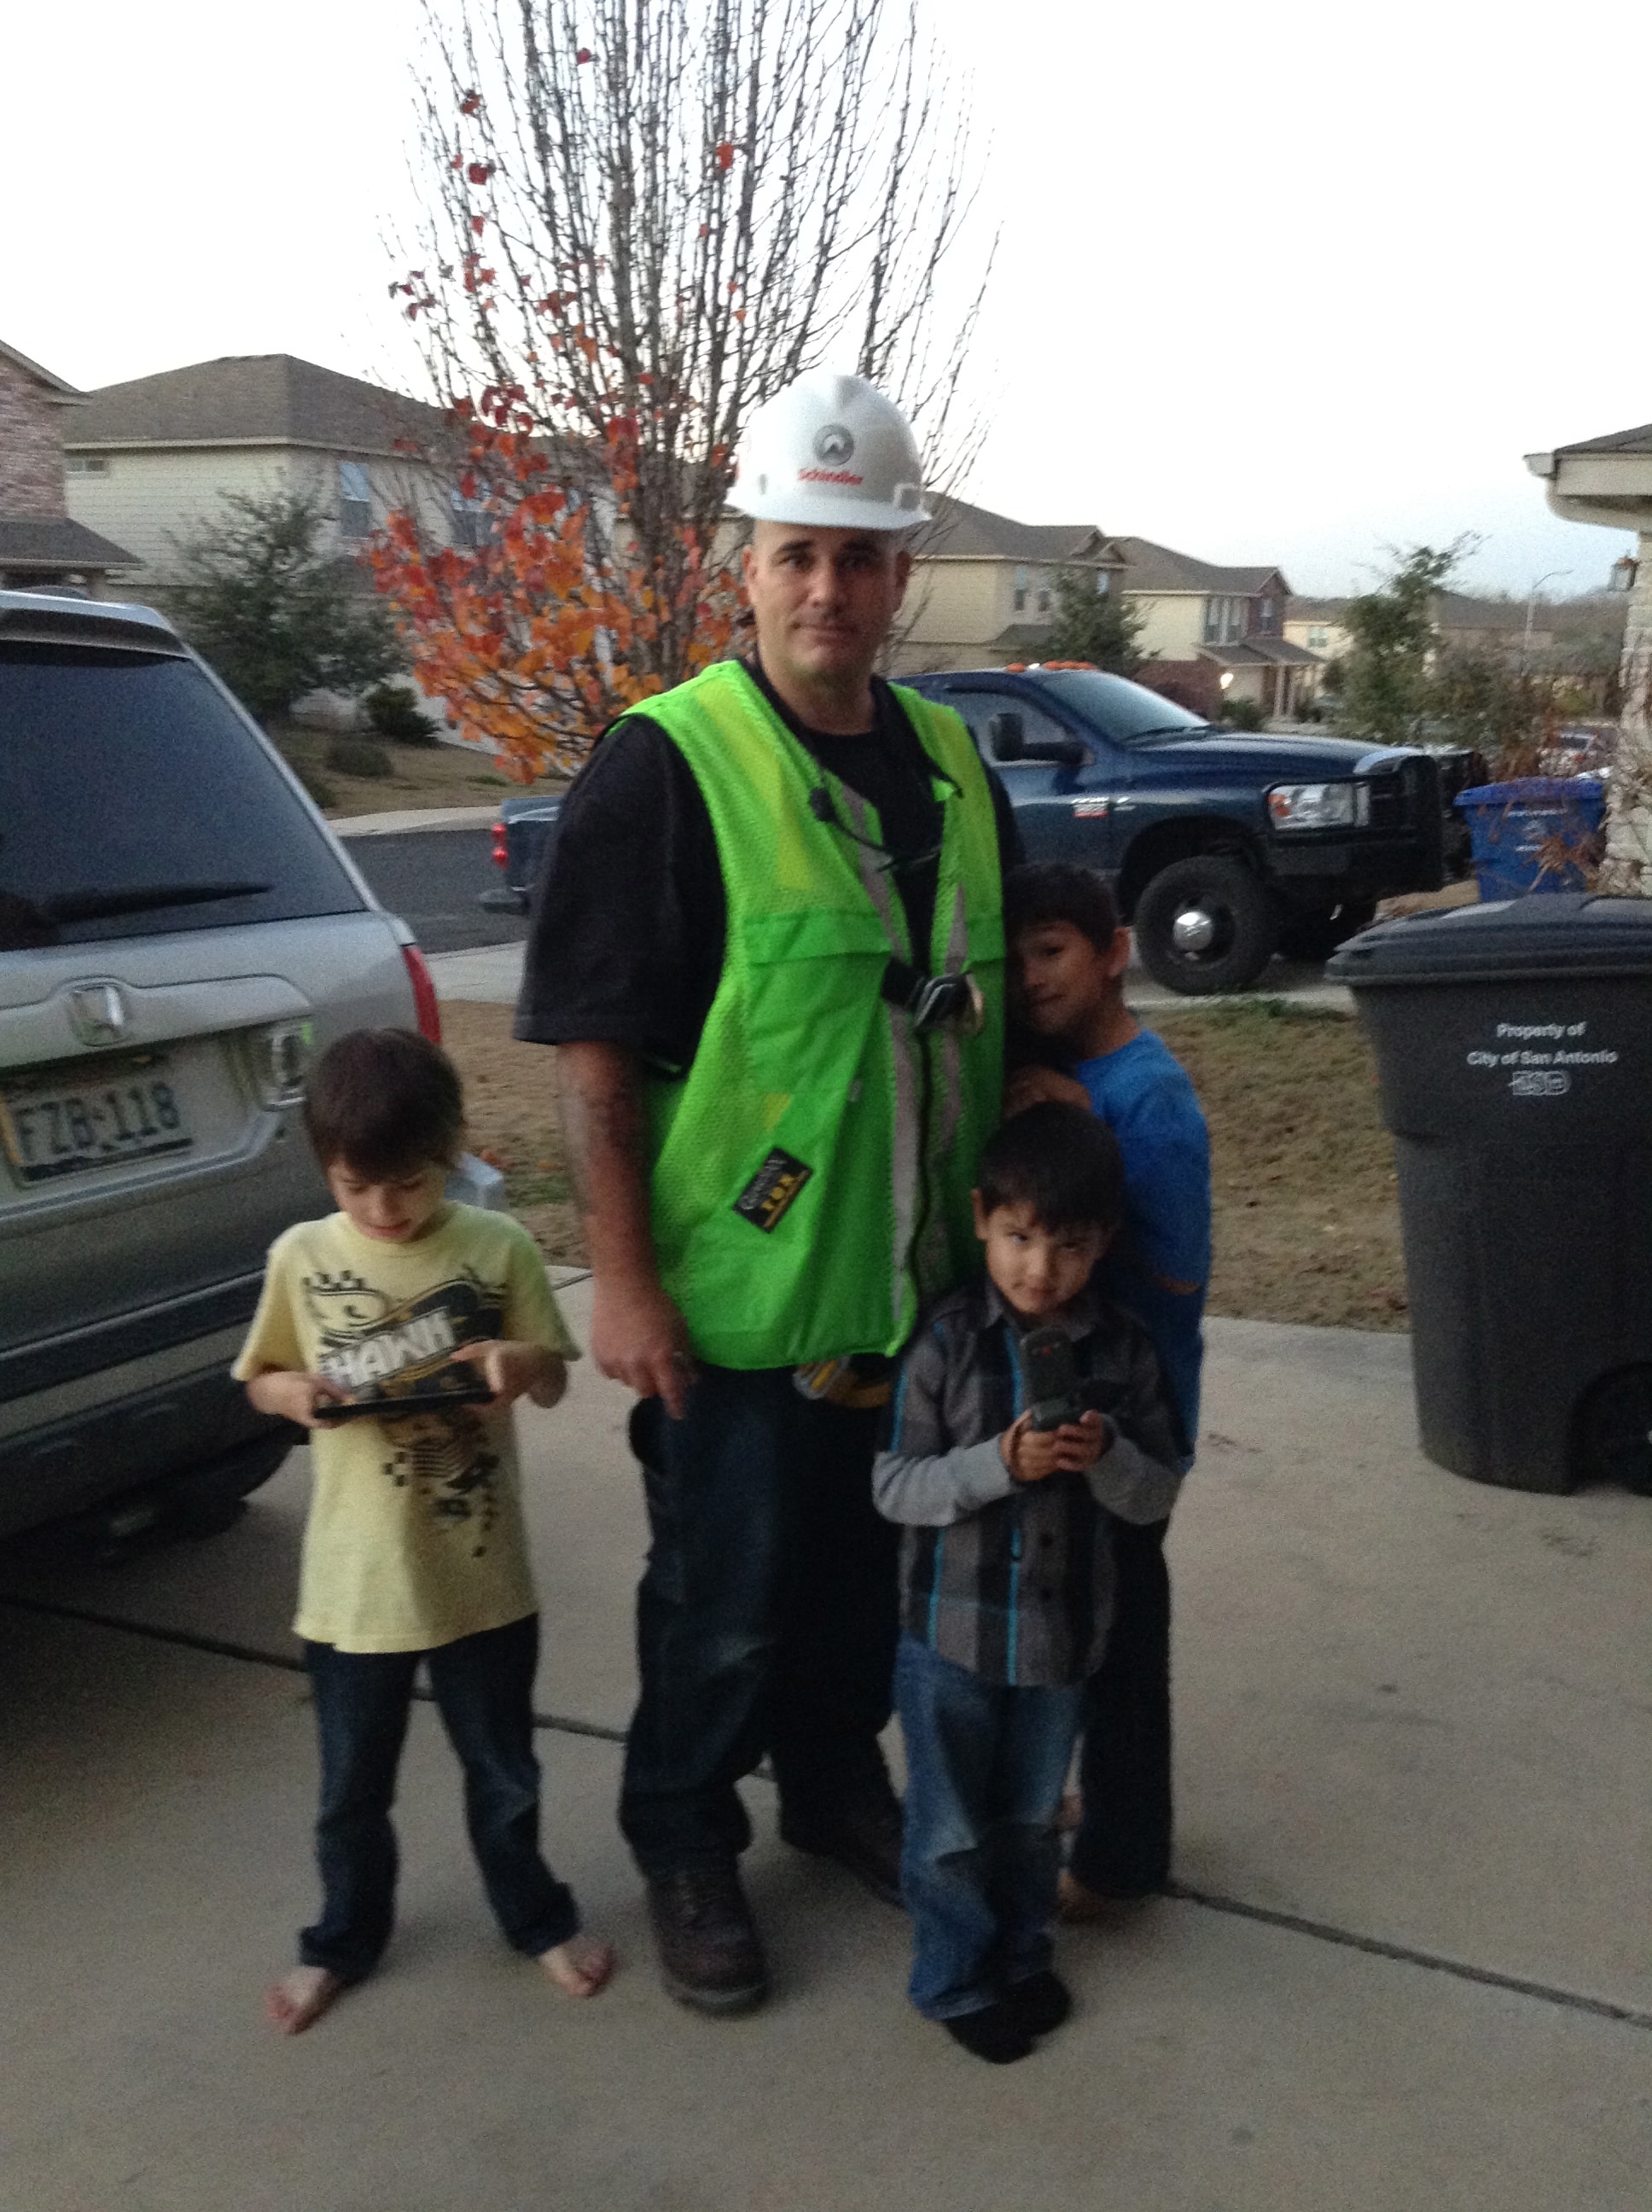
(830, 452)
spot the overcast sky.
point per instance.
(1285, 284)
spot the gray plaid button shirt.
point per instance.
(1014, 1581)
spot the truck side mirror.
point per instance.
(1006, 737)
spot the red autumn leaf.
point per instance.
(471, 104)
(479, 172)
(584, 54)
(724, 156)
(479, 224)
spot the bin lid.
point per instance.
(1549, 933)
(1536, 791)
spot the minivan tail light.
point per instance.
(426, 1011)
(502, 851)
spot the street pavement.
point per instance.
(432, 879)
(1407, 1967)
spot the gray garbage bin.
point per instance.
(1514, 1052)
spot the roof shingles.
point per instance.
(252, 399)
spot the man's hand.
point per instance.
(1034, 1455)
(294, 1396)
(1042, 1086)
(510, 1368)
(639, 1338)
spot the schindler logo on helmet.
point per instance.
(833, 447)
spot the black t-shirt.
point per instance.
(626, 943)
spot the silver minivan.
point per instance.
(180, 933)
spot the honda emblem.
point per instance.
(97, 1013)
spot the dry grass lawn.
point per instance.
(1307, 1229)
(421, 775)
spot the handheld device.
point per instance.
(1049, 1375)
(466, 1387)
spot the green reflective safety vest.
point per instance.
(811, 1171)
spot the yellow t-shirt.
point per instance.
(415, 1535)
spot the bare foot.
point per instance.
(302, 1998)
(581, 1967)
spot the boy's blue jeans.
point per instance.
(483, 1688)
(985, 1762)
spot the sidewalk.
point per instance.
(1414, 1769)
(493, 973)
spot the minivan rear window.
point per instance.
(134, 801)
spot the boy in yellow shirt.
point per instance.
(437, 1318)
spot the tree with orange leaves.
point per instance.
(645, 221)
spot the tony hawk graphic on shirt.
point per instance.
(377, 1348)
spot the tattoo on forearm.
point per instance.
(602, 1125)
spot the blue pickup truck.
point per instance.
(1223, 849)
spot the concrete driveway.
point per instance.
(1408, 1968)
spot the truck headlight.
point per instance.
(1319, 806)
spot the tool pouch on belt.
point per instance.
(861, 1383)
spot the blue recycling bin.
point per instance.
(1535, 833)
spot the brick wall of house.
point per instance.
(1194, 685)
(30, 447)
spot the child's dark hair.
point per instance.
(1060, 890)
(385, 1102)
(1059, 1160)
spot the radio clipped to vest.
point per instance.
(936, 1002)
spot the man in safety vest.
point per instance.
(770, 947)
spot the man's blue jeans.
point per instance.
(985, 1766)
(483, 1688)
(765, 1618)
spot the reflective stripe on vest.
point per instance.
(811, 1171)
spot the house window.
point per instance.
(1317, 639)
(1266, 620)
(1022, 584)
(354, 501)
(1103, 583)
(1045, 596)
(85, 464)
(470, 520)
(1225, 621)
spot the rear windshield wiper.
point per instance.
(27, 924)
(1169, 730)
(137, 898)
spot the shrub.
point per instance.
(1243, 713)
(393, 710)
(318, 787)
(358, 756)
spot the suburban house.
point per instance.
(152, 459)
(1580, 635)
(983, 587)
(983, 596)
(40, 545)
(1608, 481)
(1215, 634)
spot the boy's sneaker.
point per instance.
(1040, 2003)
(1080, 1906)
(863, 1836)
(711, 1956)
(993, 2033)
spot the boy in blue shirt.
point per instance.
(1068, 956)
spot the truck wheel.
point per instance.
(1316, 934)
(1206, 924)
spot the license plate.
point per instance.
(127, 1112)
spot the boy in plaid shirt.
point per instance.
(1006, 1570)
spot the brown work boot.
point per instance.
(711, 1956)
